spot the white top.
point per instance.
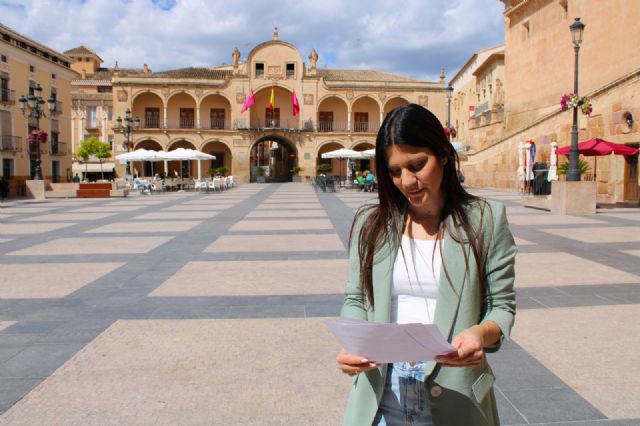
(416, 273)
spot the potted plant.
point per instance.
(213, 171)
(295, 177)
(261, 178)
(323, 168)
(583, 166)
(223, 170)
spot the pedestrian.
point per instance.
(4, 188)
(76, 178)
(427, 252)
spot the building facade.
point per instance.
(201, 108)
(24, 64)
(539, 69)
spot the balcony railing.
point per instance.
(92, 125)
(58, 148)
(187, 123)
(152, 123)
(364, 126)
(7, 96)
(9, 142)
(332, 126)
(218, 124)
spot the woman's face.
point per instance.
(417, 173)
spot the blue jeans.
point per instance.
(404, 401)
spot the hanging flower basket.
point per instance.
(571, 100)
(38, 136)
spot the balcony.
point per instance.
(152, 123)
(365, 127)
(92, 125)
(7, 97)
(218, 124)
(271, 124)
(332, 126)
(58, 108)
(187, 123)
(58, 148)
(9, 143)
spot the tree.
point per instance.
(93, 146)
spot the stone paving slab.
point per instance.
(106, 208)
(606, 373)
(626, 216)
(5, 240)
(563, 269)
(94, 245)
(16, 210)
(146, 227)
(57, 217)
(177, 215)
(522, 242)
(627, 234)
(197, 207)
(31, 228)
(281, 225)
(632, 252)
(49, 280)
(539, 220)
(6, 324)
(246, 278)
(262, 214)
(194, 371)
(275, 243)
(303, 206)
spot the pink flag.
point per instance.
(295, 104)
(249, 100)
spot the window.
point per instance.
(259, 69)
(217, 118)
(152, 118)
(105, 90)
(361, 121)
(3, 58)
(32, 68)
(187, 120)
(92, 118)
(291, 70)
(272, 118)
(325, 121)
(53, 76)
(5, 94)
(32, 86)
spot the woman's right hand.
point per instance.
(353, 364)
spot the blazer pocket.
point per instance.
(482, 386)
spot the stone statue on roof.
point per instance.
(313, 58)
(236, 57)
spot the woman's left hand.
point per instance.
(469, 344)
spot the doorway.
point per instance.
(272, 159)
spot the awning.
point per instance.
(92, 167)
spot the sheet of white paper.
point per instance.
(386, 343)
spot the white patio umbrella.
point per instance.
(188, 154)
(553, 166)
(520, 170)
(342, 153)
(366, 154)
(140, 155)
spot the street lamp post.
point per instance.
(449, 96)
(130, 124)
(33, 107)
(573, 172)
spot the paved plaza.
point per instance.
(208, 309)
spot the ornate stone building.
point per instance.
(24, 64)
(539, 69)
(201, 108)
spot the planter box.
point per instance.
(573, 197)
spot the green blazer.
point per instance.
(457, 395)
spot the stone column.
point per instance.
(164, 119)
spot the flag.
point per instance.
(249, 100)
(272, 98)
(295, 104)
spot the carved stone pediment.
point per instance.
(122, 96)
(308, 99)
(240, 97)
(274, 71)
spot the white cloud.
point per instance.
(411, 37)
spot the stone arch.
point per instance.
(181, 110)
(148, 106)
(215, 111)
(365, 114)
(281, 117)
(222, 152)
(277, 154)
(147, 168)
(149, 143)
(393, 103)
(181, 167)
(368, 164)
(332, 114)
(145, 91)
(336, 164)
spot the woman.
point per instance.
(429, 252)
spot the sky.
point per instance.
(415, 38)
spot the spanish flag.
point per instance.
(272, 98)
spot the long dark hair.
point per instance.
(383, 223)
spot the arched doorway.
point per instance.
(222, 154)
(148, 168)
(334, 164)
(272, 158)
(362, 165)
(184, 168)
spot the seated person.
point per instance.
(360, 180)
(370, 182)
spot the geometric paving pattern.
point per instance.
(208, 308)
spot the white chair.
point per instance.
(218, 184)
(200, 185)
(157, 185)
(210, 186)
(231, 181)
